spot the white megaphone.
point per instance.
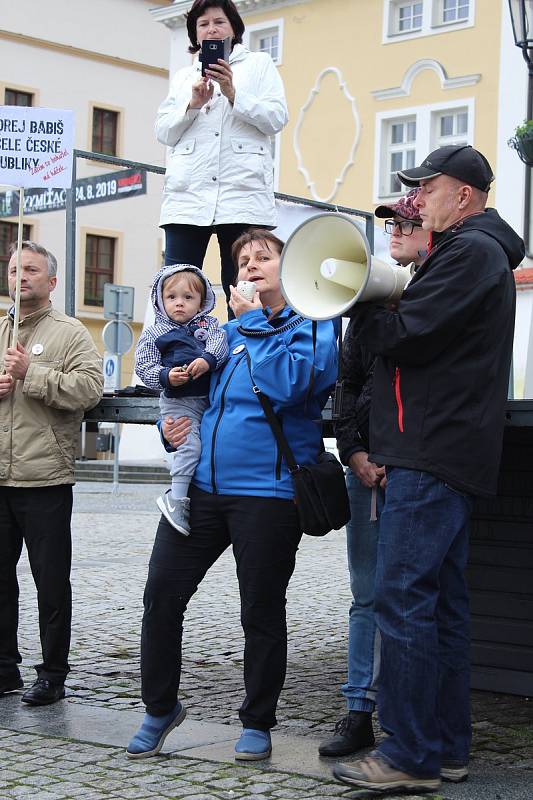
(326, 266)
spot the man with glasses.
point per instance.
(365, 481)
(438, 413)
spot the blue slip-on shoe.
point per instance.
(253, 745)
(150, 737)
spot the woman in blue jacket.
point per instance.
(242, 496)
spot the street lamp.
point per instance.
(522, 21)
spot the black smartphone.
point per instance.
(212, 50)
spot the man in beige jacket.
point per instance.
(52, 375)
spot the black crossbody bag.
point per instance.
(320, 492)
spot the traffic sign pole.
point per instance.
(118, 339)
(116, 435)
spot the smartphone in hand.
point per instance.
(212, 50)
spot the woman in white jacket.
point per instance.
(219, 174)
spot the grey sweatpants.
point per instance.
(185, 458)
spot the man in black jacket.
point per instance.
(408, 244)
(438, 407)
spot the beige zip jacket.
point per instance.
(40, 419)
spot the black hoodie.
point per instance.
(442, 372)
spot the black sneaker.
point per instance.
(10, 684)
(352, 733)
(43, 692)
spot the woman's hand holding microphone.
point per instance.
(244, 298)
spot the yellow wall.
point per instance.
(348, 35)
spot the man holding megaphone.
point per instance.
(408, 244)
(437, 419)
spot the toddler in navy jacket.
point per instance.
(177, 354)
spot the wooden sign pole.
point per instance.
(17, 282)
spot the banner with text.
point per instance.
(98, 189)
(36, 146)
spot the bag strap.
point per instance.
(273, 421)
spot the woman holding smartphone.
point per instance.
(219, 176)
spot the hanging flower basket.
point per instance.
(522, 142)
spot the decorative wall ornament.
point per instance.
(404, 90)
(296, 137)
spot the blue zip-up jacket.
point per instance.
(239, 452)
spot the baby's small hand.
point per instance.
(198, 367)
(178, 376)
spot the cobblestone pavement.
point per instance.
(112, 537)
(94, 772)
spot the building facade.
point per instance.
(374, 85)
(89, 58)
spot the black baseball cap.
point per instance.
(458, 161)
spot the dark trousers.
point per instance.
(39, 517)
(187, 244)
(264, 533)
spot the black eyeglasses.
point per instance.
(406, 227)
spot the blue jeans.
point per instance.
(363, 636)
(422, 612)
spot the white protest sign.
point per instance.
(36, 146)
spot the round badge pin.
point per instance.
(238, 349)
(37, 349)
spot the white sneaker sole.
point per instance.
(174, 724)
(253, 756)
(164, 510)
(454, 774)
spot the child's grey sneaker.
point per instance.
(176, 512)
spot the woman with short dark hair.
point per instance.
(219, 126)
(199, 8)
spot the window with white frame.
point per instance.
(451, 127)
(266, 38)
(405, 19)
(401, 143)
(267, 42)
(405, 138)
(452, 10)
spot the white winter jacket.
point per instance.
(219, 169)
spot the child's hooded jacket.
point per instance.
(167, 343)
